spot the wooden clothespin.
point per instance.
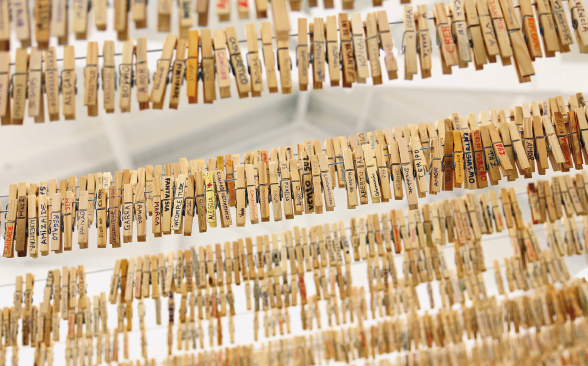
(21, 17)
(91, 79)
(444, 38)
(268, 57)
(162, 70)
(192, 66)
(361, 57)
(562, 26)
(222, 64)
(142, 74)
(521, 53)
(302, 54)
(530, 29)
(108, 77)
(459, 31)
(284, 66)
(373, 48)
(317, 52)
(34, 80)
(208, 74)
(125, 78)
(495, 13)
(114, 216)
(578, 14)
(239, 69)
(423, 40)
(19, 85)
(347, 55)
(385, 43)
(480, 56)
(409, 43)
(68, 83)
(549, 34)
(178, 70)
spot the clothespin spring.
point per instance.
(403, 39)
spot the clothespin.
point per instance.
(492, 8)
(178, 70)
(113, 216)
(19, 85)
(521, 53)
(268, 57)
(192, 66)
(208, 74)
(109, 77)
(236, 60)
(91, 79)
(361, 57)
(161, 73)
(318, 52)
(530, 29)
(444, 38)
(423, 40)
(409, 43)
(5, 80)
(549, 35)
(459, 32)
(373, 48)
(562, 26)
(579, 17)
(284, 66)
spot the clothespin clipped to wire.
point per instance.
(423, 39)
(35, 82)
(91, 79)
(19, 85)
(579, 16)
(160, 79)
(444, 38)
(109, 77)
(69, 83)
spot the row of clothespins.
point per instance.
(51, 19)
(561, 306)
(348, 48)
(373, 166)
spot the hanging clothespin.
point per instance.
(21, 17)
(114, 216)
(162, 71)
(109, 77)
(142, 74)
(192, 66)
(178, 70)
(409, 43)
(423, 40)
(579, 16)
(523, 59)
(474, 27)
(332, 50)
(164, 15)
(530, 29)
(318, 52)
(236, 60)
(346, 50)
(448, 174)
(126, 78)
(562, 26)
(91, 79)
(302, 54)
(284, 66)
(548, 29)
(19, 85)
(268, 57)
(359, 43)
(34, 80)
(444, 38)
(68, 83)
(5, 80)
(459, 32)
(502, 38)
(80, 18)
(207, 66)
(373, 48)
(121, 20)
